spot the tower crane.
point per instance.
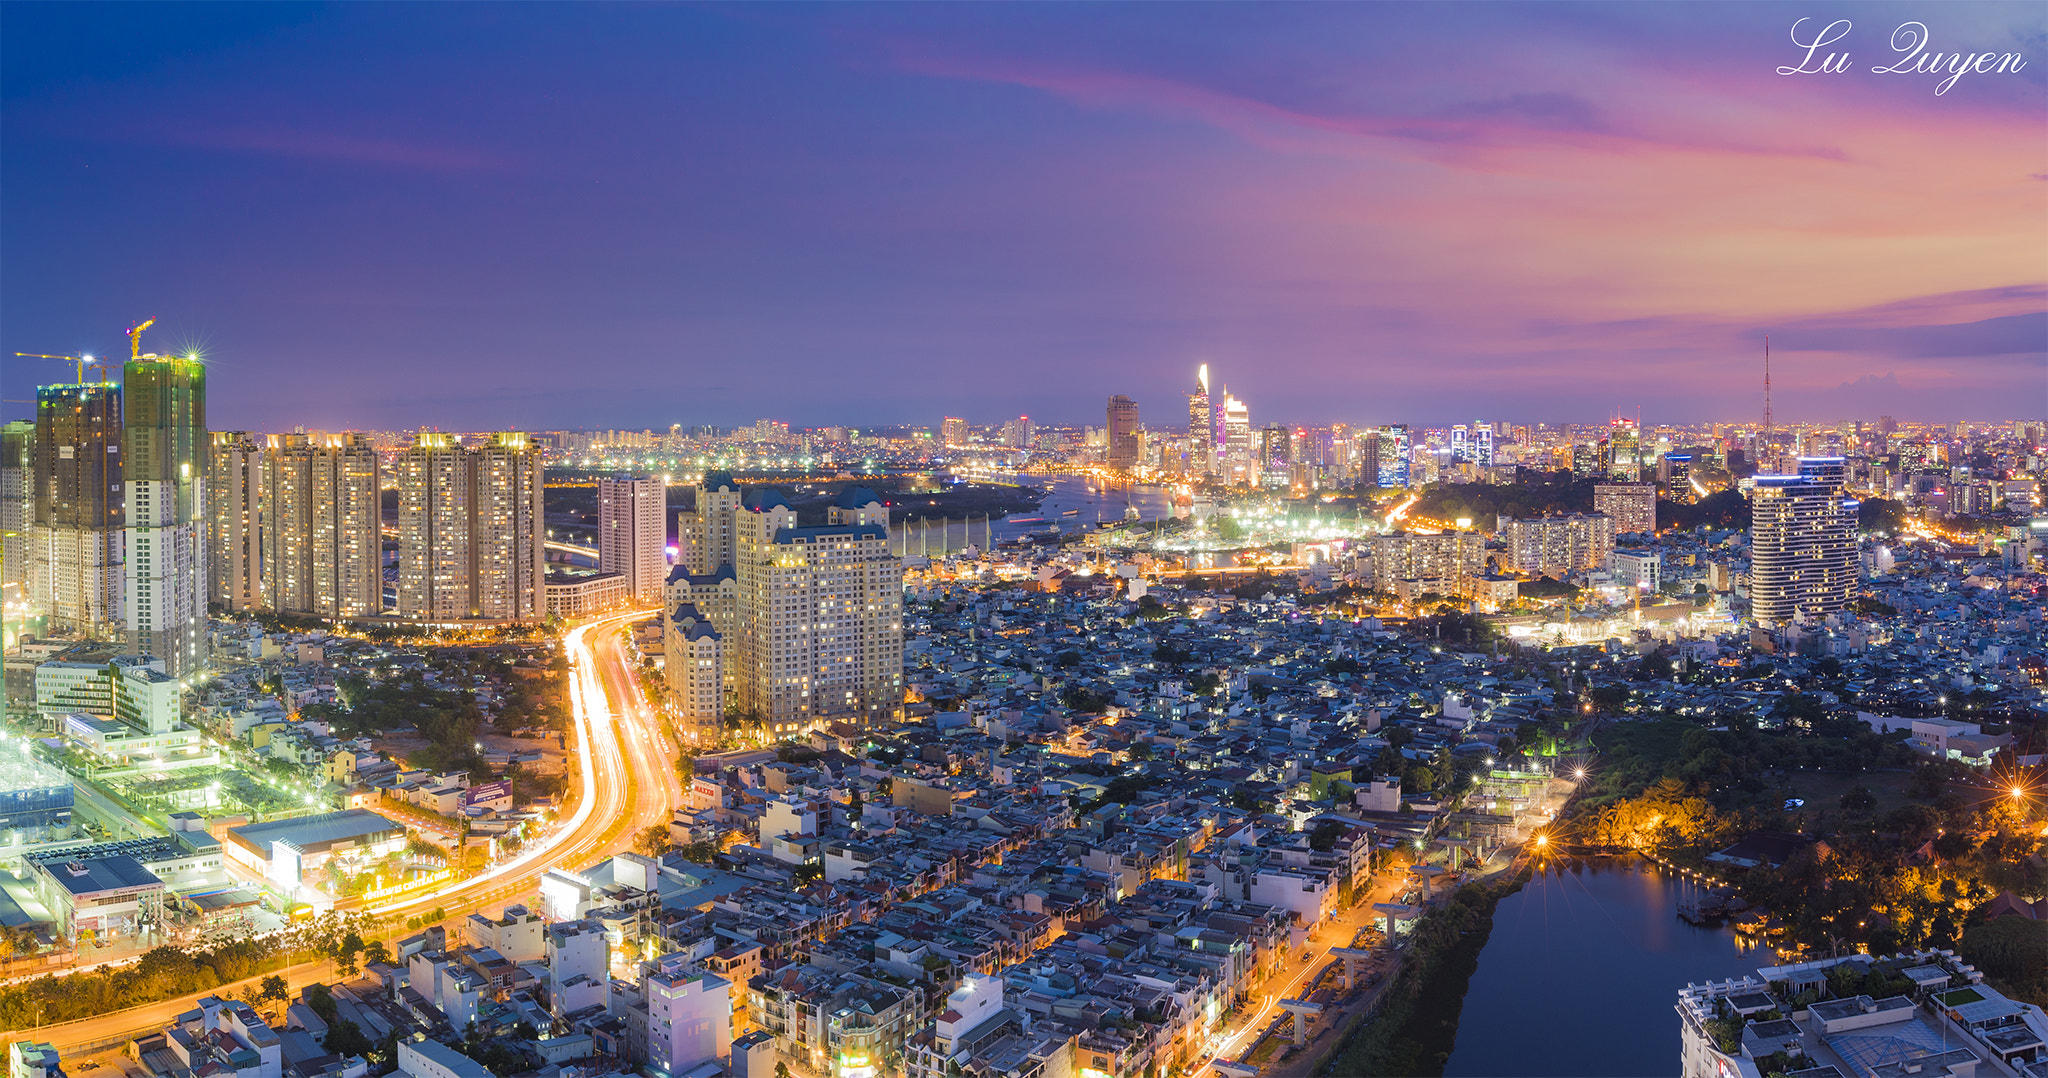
(81, 361)
(135, 339)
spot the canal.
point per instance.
(1581, 973)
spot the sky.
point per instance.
(475, 216)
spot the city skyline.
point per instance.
(1580, 211)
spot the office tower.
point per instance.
(632, 530)
(1236, 441)
(17, 482)
(1122, 426)
(1201, 427)
(1624, 451)
(1802, 538)
(1394, 442)
(1559, 546)
(693, 661)
(1365, 457)
(952, 431)
(321, 520)
(819, 623)
(75, 536)
(704, 534)
(1632, 505)
(1674, 470)
(166, 446)
(470, 533)
(234, 531)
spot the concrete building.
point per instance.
(17, 483)
(1642, 570)
(573, 592)
(578, 959)
(76, 538)
(952, 432)
(419, 1057)
(165, 446)
(689, 1016)
(1802, 538)
(1431, 563)
(99, 897)
(1201, 427)
(124, 709)
(819, 628)
(234, 531)
(520, 934)
(693, 664)
(470, 533)
(1633, 506)
(632, 533)
(704, 534)
(1559, 546)
(286, 852)
(33, 1059)
(322, 526)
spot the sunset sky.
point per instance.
(544, 216)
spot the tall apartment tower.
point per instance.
(1201, 427)
(17, 484)
(508, 530)
(75, 535)
(470, 532)
(819, 632)
(167, 450)
(632, 530)
(705, 534)
(1124, 443)
(952, 431)
(322, 526)
(1632, 505)
(1559, 546)
(1802, 542)
(693, 661)
(433, 528)
(234, 528)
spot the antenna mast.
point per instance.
(1767, 387)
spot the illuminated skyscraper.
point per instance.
(470, 533)
(1201, 427)
(1236, 441)
(1802, 538)
(234, 532)
(819, 633)
(1624, 451)
(704, 533)
(164, 477)
(322, 526)
(1394, 446)
(17, 483)
(1123, 444)
(632, 530)
(952, 431)
(75, 537)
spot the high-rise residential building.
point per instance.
(1559, 546)
(1365, 457)
(693, 661)
(1201, 427)
(321, 520)
(819, 624)
(632, 533)
(164, 475)
(75, 534)
(470, 531)
(1124, 443)
(1632, 505)
(1427, 563)
(234, 529)
(1802, 539)
(704, 533)
(17, 483)
(1017, 432)
(1395, 443)
(952, 431)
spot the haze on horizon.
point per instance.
(547, 216)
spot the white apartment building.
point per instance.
(470, 529)
(689, 1015)
(1802, 539)
(234, 500)
(1633, 506)
(1559, 546)
(693, 662)
(632, 532)
(321, 519)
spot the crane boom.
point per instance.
(80, 360)
(135, 339)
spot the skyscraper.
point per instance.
(165, 443)
(1236, 441)
(17, 483)
(322, 526)
(1802, 538)
(704, 533)
(1201, 427)
(1394, 445)
(1122, 425)
(1624, 451)
(952, 431)
(819, 632)
(632, 530)
(234, 533)
(75, 536)
(470, 532)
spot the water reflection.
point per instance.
(1581, 973)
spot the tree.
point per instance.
(1859, 801)
(652, 841)
(321, 1000)
(376, 952)
(345, 1038)
(274, 987)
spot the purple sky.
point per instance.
(476, 215)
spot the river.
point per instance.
(1582, 971)
(1089, 503)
